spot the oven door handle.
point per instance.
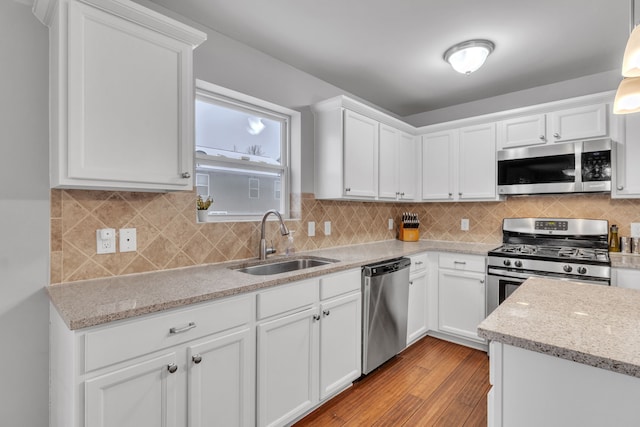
(497, 272)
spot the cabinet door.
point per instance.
(287, 367)
(388, 169)
(360, 155)
(340, 343)
(142, 395)
(627, 175)
(407, 162)
(522, 131)
(220, 379)
(437, 165)
(577, 123)
(129, 105)
(461, 302)
(477, 169)
(417, 319)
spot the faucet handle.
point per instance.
(271, 250)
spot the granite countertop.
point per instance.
(590, 324)
(620, 260)
(97, 301)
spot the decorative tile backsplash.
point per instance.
(168, 235)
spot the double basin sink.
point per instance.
(278, 266)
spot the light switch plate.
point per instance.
(390, 223)
(464, 224)
(128, 241)
(311, 229)
(327, 228)
(635, 229)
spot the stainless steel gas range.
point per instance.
(559, 248)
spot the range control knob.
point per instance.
(567, 268)
(582, 270)
(507, 262)
(518, 264)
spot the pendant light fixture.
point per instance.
(467, 57)
(628, 94)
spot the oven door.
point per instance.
(499, 288)
(501, 283)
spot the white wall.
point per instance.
(24, 218)
(595, 83)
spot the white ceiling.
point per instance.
(389, 52)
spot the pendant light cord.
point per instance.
(632, 15)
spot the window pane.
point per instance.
(242, 192)
(221, 130)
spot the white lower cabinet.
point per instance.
(418, 313)
(308, 345)
(142, 394)
(461, 295)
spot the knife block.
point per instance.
(408, 234)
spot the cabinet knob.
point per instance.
(556, 135)
(482, 281)
(620, 187)
(172, 367)
(186, 175)
(460, 194)
(402, 194)
(346, 190)
(316, 317)
(541, 137)
(196, 358)
(326, 312)
(411, 282)
(450, 194)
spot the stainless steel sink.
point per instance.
(284, 265)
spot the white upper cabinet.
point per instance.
(121, 96)
(477, 157)
(360, 155)
(396, 172)
(460, 164)
(558, 126)
(522, 131)
(439, 167)
(626, 179)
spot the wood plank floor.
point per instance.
(432, 383)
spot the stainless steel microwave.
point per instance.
(571, 167)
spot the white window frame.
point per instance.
(290, 167)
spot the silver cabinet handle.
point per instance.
(460, 262)
(316, 317)
(556, 135)
(346, 190)
(175, 330)
(402, 194)
(186, 175)
(196, 358)
(541, 137)
(450, 194)
(326, 312)
(172, 368)
(419, 263)
(460, 194)
(620, 187)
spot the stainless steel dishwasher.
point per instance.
(385, 301)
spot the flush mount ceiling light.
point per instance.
(628, 95)
(467, 57)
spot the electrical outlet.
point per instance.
(390, 223)
(327, 228)
(106, 241)
(128, 241)
(635, 229)
(311, 229)
(464, 224)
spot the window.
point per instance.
(243, 153)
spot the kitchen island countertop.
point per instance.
(92, 302)
(589, 324)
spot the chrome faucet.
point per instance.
(264, 251)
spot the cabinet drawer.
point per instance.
(462, 262)
(340, 283)
(286, 298)
(114, 344)
(418, 263)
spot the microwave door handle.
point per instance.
(578, 177)
(620, 166)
